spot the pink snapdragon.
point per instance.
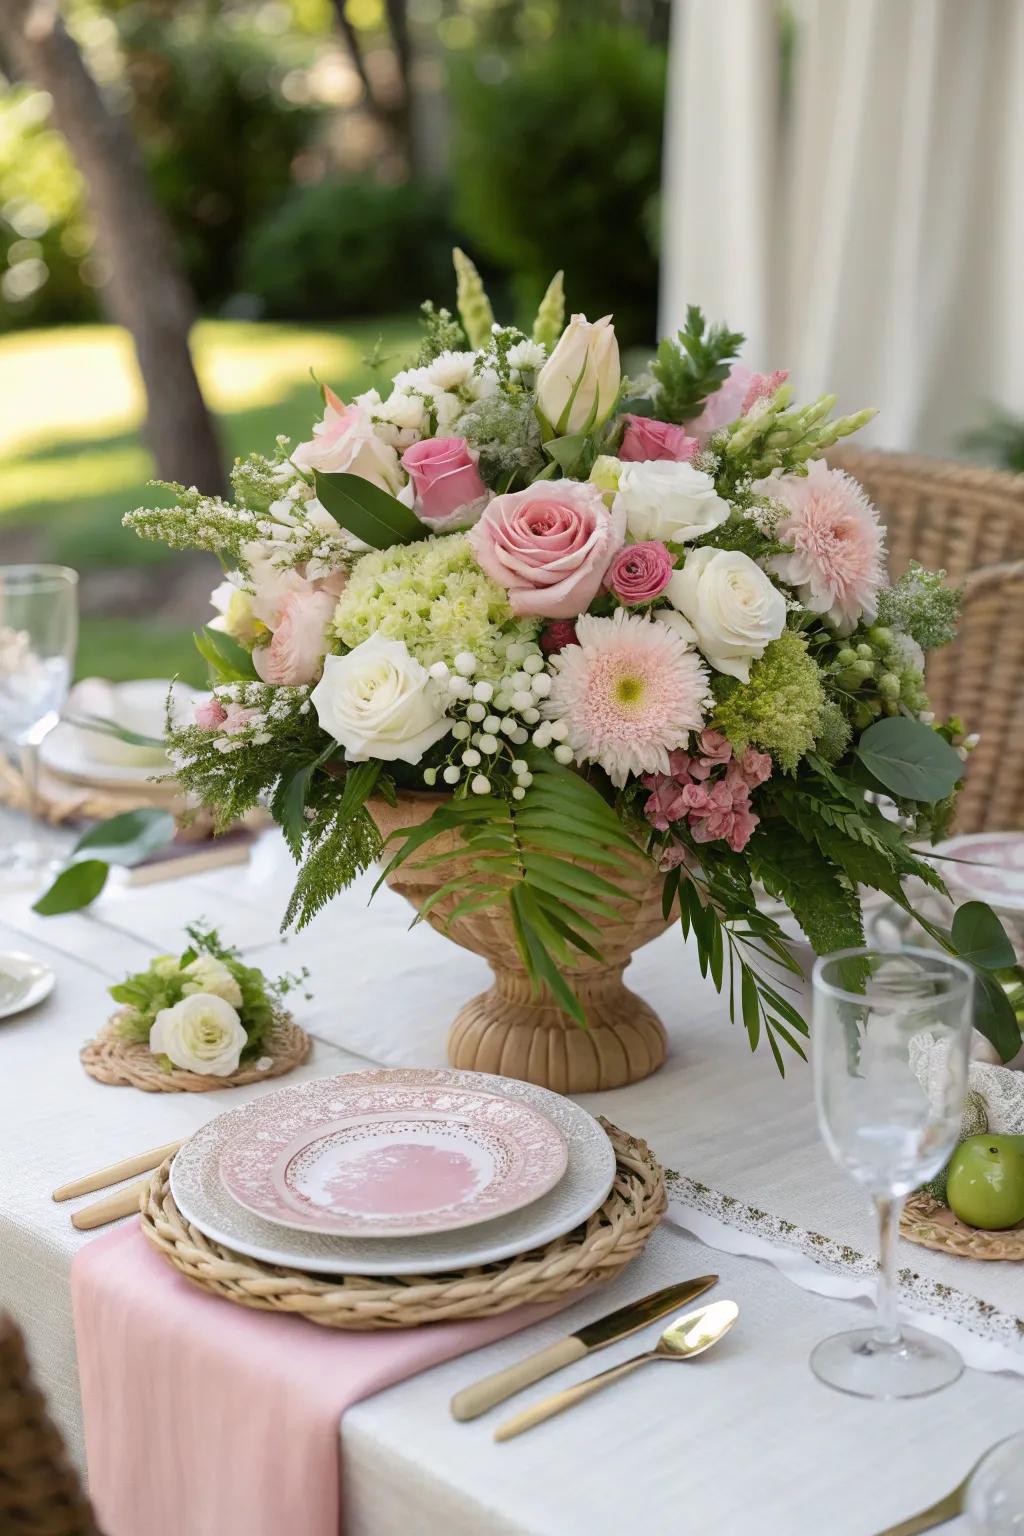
(715, 805)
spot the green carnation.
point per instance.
(780, 710)
(435, 597)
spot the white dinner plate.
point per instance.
(202, 1198)
(384, 1160)
(64, 752)
(24, 982)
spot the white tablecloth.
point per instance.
(745, 1441)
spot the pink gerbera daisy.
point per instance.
(629, 691)
(836, 563)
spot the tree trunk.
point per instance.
(147, 292)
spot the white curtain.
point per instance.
(860, 212)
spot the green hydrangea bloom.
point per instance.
(435, 597)
(922, 606)
(780, 709)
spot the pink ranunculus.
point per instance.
(549, 546)
(299, 642)
(639, 573)
(555, 637)
(236, 718)
(645, 439)
(445, 480)
(210, 713)
(344, 441)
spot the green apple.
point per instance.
(985, 1183)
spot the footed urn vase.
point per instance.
(511, 1030)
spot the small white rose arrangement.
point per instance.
(203, 1011)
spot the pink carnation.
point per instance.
(640, 572)
(837, 558)
(645, 439)
(210, 713)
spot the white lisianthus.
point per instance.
(202, 1034)
(379, 702)
(212, 976)
(669, 501)
(234, 613)
(579, 384)
(731, 604)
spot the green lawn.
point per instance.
(74, 462)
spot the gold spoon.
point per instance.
(683, 1339)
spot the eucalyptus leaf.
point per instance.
(994, 1016)
(73, 888)
(365, 510)
(910, 759)
(126, 839)
(980, 938)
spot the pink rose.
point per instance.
(645, 439)
(445, 479)
(210, 713)
(344, 441)
(640, 572)
(549, 546)
(298, 643)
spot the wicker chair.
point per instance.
(969, 522)
(40, 1494)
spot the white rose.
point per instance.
(669, 501)
(378, 702)
(731, 604)
(579, 384)
(202, 1033)
(212, 976)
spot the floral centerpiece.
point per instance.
(593, 654)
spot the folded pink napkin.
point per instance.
(207, 1419)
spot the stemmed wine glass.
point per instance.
(38, 634)
(874, 1012)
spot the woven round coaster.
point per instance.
(932, 1225)
(616, 1233)
(131, 1064)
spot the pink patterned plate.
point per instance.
(992, 869)
(397, 1162)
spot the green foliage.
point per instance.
(775, 437)
(780, 709)
(693, 366)
(534, 857)
(539, 187)
(910, 759)
(834, 732)
(717, 906)
(342, 840)
(922, 606)
(375, 517)
(126, 840)
(1000, 441)
(349, 247)
(795, 871)
(980, 938)
(441, 333)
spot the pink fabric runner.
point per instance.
(204, 1419)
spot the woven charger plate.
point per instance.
(932, 1225)
(597, 1249)
(131, 1064)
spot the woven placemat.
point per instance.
(131, 1064)
(597, 1249)
(933, 1225)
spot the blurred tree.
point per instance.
(146, 292)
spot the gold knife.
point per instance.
(475, 1400)
(936, 1514)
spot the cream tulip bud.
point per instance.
(579, 384)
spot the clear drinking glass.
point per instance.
(38, 634)
(874, 1012)
(995, 1494)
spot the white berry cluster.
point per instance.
(493, 718)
